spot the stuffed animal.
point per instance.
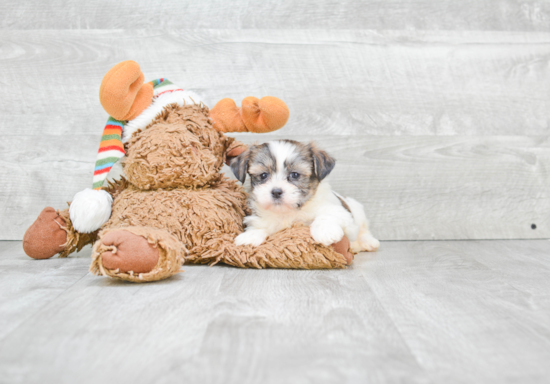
(173, 205)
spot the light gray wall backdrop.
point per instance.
(437, 111)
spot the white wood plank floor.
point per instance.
(414, 312)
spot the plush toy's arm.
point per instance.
(256, 115)
(343, 247)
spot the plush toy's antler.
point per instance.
(122, 93)
(256, 115)
(124, 96)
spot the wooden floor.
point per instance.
(425, 311)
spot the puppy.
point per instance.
(288, 186)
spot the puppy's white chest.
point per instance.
(303, 217)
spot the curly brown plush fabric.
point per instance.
(75, 240)
(175, 203)
(290, 248)
(193, 216)
(178, 149)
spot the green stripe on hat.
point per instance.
(107, 160)
(110, 137)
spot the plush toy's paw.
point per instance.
(326, 233)
(343, 247)
(138, 254)
(253, 237)
(129, 252)
(256, 115)
(46, 236)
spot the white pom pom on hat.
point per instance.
(90, 209)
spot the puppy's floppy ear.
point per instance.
(323, 163)
(239, 165)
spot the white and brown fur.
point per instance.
(287, 186)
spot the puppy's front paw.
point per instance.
(251, 237)
(326, 233)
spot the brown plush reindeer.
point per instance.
(173, 206)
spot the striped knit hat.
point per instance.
(123, 93)
(110, 151)
(111, 148)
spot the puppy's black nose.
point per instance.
(277, 192)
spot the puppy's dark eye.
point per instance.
(294, 175)
(264, 175)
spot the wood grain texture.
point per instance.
(335, 82)
(8, 245)
(320, 326)
(40, 171)
(412, 187)
(414, 312)
(501, 15)
(27, 285)
(454, 301)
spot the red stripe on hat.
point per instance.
(100, 171)
(111, 148)
(170, 91)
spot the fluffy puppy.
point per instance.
(287, 186)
